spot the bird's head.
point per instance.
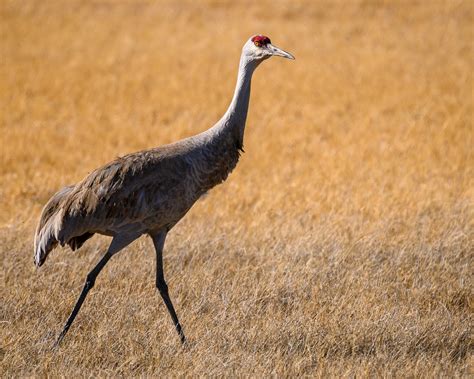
(259, 48)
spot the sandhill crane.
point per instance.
(148, 192)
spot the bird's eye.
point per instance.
(260, 40)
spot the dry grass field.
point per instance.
(343, 243)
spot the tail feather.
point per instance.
(46, 236)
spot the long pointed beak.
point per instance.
(279, 52)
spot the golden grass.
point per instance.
(342, 244)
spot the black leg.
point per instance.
(117, 244)
(159, 242)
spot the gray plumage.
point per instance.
(148, 192)
(141, 192)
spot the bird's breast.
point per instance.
(214, 167)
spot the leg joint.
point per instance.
(162, 286)
(90, 281)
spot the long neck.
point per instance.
(233, 121)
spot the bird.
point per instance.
(148, 192)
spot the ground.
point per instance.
(343, 243)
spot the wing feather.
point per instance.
(124, 191)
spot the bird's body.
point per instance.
(148, 192)
(139, 193)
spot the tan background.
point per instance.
(343, 242)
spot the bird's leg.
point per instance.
(117, 244)
(159, 242)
